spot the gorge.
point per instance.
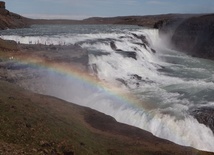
(65, 128)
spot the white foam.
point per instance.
(168, 118)
(58, 39)
(183, 130)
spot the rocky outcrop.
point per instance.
(194, 35)
(10, 20)
(8, 45)
(205, 115)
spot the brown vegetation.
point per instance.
(38, 124)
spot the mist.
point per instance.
(132, 76)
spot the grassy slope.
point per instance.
(37, 124)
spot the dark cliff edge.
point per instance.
(194, 36)
(38, 124)
(9, 19)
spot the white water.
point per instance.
(170, 82)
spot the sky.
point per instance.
(80, 9)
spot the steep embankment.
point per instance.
(9, 19)
(194, 36)
(37, 124)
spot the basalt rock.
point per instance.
(194, 36)
(142, 38)
(113, 46)
(11, 20)
(8, 45)
(205, 116)
(128, 54)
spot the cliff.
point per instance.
(9, 19)
(194, 36)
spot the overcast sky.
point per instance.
(79, 9)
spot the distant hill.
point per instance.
(147, 21)
(12, 20)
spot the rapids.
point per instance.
(168, 84)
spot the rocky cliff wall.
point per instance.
(194, 35)
(9, 19)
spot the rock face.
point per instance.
(205, 116)
(194, 35)
(9, 19)
(8, 45)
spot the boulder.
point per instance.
(8, 45)
(205, 115)
(142, 38)
(128, 54)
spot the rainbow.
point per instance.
(78, 74)
(81, 75)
